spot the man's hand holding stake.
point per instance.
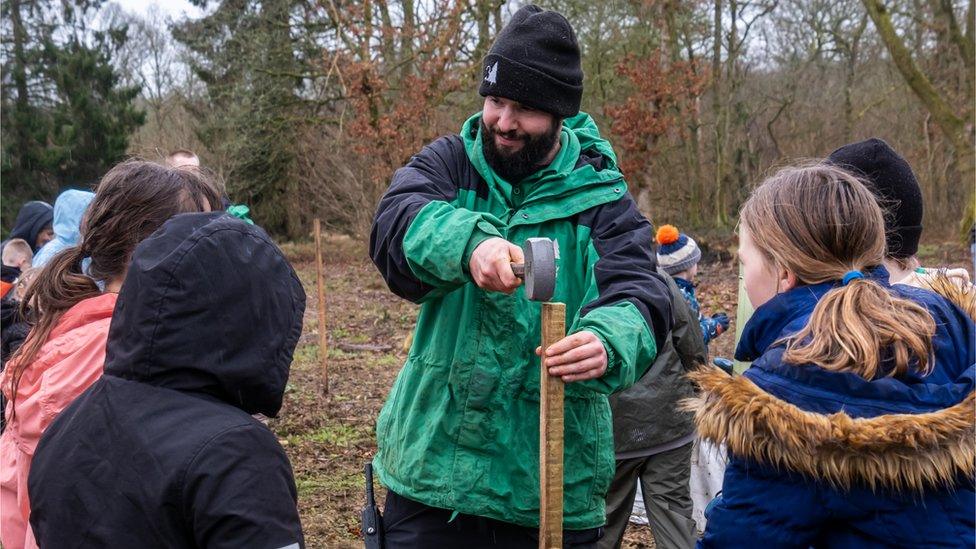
(576, 357)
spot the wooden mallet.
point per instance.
(539, 274)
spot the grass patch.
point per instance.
(306, 354)
(338, 354)
(340, 435)
(386, 361)
(358, 338)
(328, 484)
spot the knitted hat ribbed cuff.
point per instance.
(682, 264)
(512, 80)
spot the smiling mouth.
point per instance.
(507, 142)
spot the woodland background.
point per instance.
(304, 108)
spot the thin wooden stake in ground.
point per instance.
(551, 435)
(323, 332)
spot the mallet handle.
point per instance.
(518, 269)
(551, 435)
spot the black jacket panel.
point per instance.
(132, 465)
(435, 173)
(627, 269)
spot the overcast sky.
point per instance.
(176, 9)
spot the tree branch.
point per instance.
(951, 124)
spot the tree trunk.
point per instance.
(19, 74)
(951, 125)
(852, 47)
(388, 42)
(483, 15)
(367, 57)
(406, 39)
(690, 143)
(717, 112)
(965, 47)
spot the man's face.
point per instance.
(517, 140)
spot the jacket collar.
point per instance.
(581, 175)
(85, 312)
(684, 284)
(787, 313)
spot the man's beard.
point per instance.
(516, 166)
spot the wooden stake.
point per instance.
(323, 332)
(551, 435)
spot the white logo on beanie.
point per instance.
(491, 75)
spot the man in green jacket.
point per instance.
(459, 434)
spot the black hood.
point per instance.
(209, 305)
(32, 217)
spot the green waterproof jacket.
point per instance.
(460, 428)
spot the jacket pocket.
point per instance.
(388, 429)
(606, 464)
(588, 454)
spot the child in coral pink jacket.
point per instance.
(65, 351)
(66, 364)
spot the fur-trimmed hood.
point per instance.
(898, 451)
(902, 434)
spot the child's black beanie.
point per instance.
(892, 181)
(536, 61)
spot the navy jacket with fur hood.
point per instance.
(830, 459)
(163, 451)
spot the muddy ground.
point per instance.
(329, 437)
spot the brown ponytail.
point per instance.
(131, 201)
(820, 222)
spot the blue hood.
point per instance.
(814, 389)
(69, 208)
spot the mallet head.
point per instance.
(539, 270)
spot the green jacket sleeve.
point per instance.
(421, 241)
(627, 304)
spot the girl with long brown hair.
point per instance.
(65, 349)
(854, 425)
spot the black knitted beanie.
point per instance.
(536, 61)
(892, 181)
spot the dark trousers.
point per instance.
(664, 485)
(408, 524)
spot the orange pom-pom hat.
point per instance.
(676, 252)
(667, 234)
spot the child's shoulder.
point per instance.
(684, 285)
(687, 292)
(943, 298)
